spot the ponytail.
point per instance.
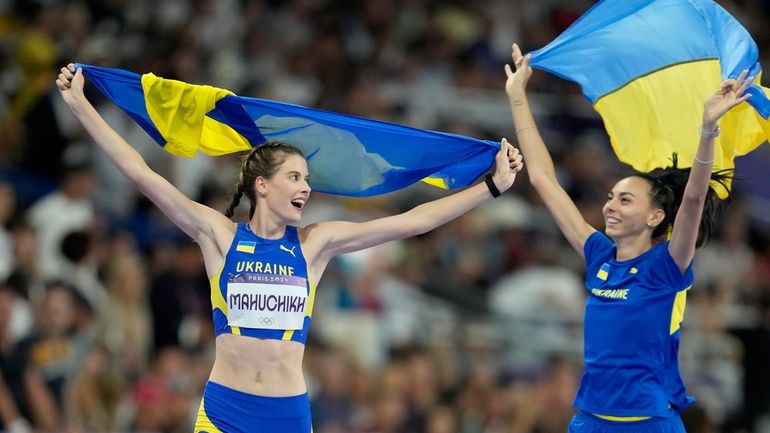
(234, 202)
(667, 190)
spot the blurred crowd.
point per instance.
(105, 317)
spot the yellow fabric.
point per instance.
(311, 298)
(245, 248)
(218, 301)
(650, 118)
(677, 314)
(178, 111)
(436, 181)
(602, 275)
(622, 418)
(203, 424)
(289, 333)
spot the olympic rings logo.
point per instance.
(266, 320)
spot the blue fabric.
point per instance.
(124, 88)
(586, 423)
(250, 256)
(631, 366)
(619, 41)
(347, 155)
(233, 411)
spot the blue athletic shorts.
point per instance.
(225, 410)
(584, 422)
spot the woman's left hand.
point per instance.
(730, 94)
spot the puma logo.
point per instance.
(290, 251)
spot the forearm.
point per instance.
(344, 237)
(700, 174)
(532, 146)
(122, 154)
(428, 216)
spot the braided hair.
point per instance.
(667, 190)
(263, 161)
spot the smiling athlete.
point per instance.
(636, 279)
(263, 273)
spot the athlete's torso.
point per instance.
(262, 302)
(263, 290)
(633, 313)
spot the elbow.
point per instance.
(536, 180)
(541, 181)
(419, 221)
(137, 171)
(694, 198)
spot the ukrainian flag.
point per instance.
(246, 247)
(649, 65)
(603, 272)
(347, 155)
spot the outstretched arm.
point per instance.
(684, 234)
(198, 221)
(542, 174)
(339, 237)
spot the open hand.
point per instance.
(730, 94)
(517, 81)
(508, 163)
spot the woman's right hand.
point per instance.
(508, 163)
(517, 81)
(70, 84)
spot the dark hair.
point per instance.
(76, 245)
(263, 161)
(666, 192)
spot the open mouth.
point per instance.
(298, 204)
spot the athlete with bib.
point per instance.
(263, 273)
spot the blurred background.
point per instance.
(105, 318)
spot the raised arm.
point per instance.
(338, 237)
(540, 168)
(199, 222)
(684, 234)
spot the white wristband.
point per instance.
(708, 134)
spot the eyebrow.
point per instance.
(622, 193)
(293, 172)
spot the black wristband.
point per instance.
(491, 185)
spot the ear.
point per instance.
(260, 184)
(655, 218)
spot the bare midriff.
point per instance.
(271, 368)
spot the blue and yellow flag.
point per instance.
(347, 155)
(649, 65)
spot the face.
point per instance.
(58, 312)
(288, 190)
(628, 210)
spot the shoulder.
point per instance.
(596, 244)
(311, 234)
(217, 242)
(660, 252)
(663, 266)
(314, 240)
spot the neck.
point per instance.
(266, 228)
(629, 248)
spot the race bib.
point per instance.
(263, 301)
